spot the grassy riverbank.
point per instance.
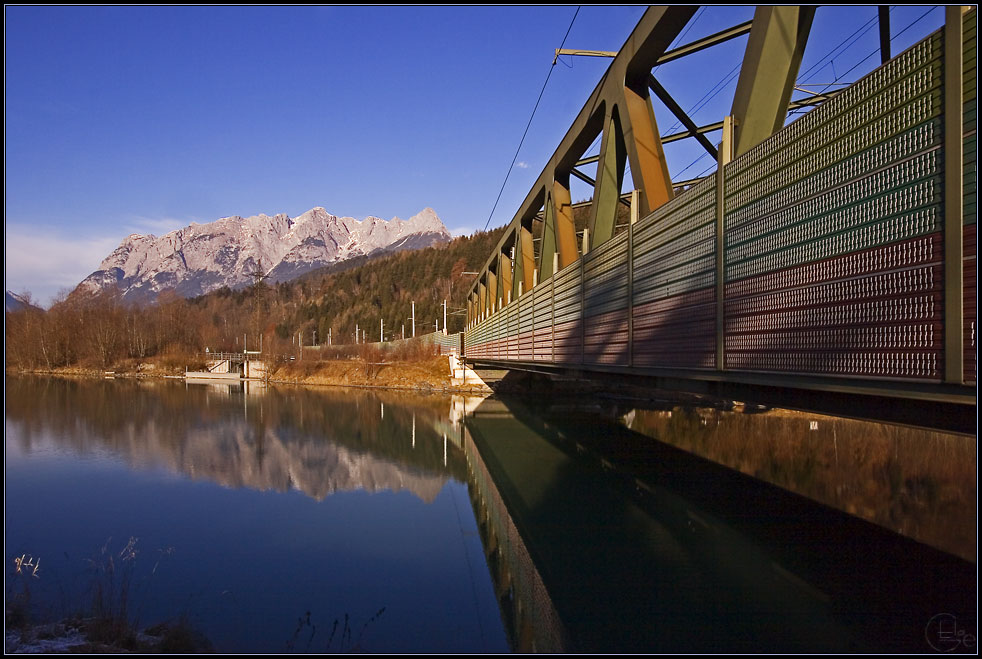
(429, 373)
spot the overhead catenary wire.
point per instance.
(675, 42)
(816, 67)
(710, 95)
(829, 57)
(524, 134)
(839, 77)
(845, 44)
(729, 77)
(876, 50)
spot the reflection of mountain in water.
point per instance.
(315, 442)
(232, 457)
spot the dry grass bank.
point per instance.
(432, 373)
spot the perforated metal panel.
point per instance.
(832, 243)
(970, 208)
(833, 264)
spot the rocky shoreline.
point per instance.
(95, 635)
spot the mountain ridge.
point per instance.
(230, 251)
(14, 302)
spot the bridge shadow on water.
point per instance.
(644, 547)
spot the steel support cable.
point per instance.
(522, 141)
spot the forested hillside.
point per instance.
(101, 330)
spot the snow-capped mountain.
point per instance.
(204, 257)
(15, 302)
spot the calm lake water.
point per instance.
(438, 524)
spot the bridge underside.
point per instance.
(834, 259)
(949, 409)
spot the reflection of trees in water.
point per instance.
(915, 482)
(317, 441)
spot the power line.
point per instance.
(909, 25)
(820, 64)
(710, 95)
(673, 44)
(522, 141)
(687, 167)
(688, 27)
(728, 78)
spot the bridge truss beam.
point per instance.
(835, 253)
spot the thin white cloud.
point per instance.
(521, 164)
(44, 261)
(157, 226)
(456, 232)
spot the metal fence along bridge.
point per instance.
(832, 256)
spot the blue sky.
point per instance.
(122, 120)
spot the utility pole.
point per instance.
(414, 319)
(356, 333)
(444, 317)
(381, 331)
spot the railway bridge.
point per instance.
(831, 258)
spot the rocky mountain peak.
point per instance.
(201, 258)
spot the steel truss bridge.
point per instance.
(832, 257)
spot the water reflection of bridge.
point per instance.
(531, 620)
(601, 539)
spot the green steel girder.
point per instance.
(883, 13)
(953, 206)
(610, 177)
(705, 42)
(492, 292)
(505, 275)
(770, 67)
(617, 103)
(524, 268)
(558, 231)
(483, 294)
(547, 248)
(681, 115)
